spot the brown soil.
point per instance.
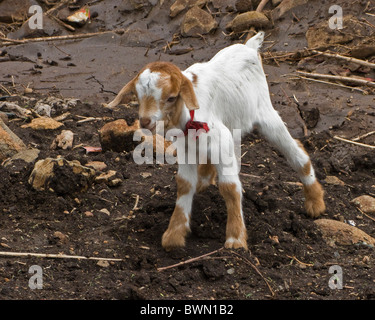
(284, 244)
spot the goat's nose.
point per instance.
(144, 122)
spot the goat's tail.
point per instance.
(256, 41)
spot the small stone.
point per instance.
(244, 21)
(365, 203)
(180, 5)
(115, 182)
(106, 211)
(88, 214)
(339, 233)
(43, 123)
(366, 259)
(103, 263)
(62, 237)
(97, 165)
(64, 140)
(63, 176)
(145, 175)
(29, 156)
(230, 271)
(197, 22)
(334, 180)
(106, 177)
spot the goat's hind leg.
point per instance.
(275, 131)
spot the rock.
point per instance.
(365, 203)
(64, 140)
(145, 175)
(334, 180)
(230, 271)
(29, 156)
(61, 176)
(286, 6)
(10, 143)
(115, 182)
(15, 10)
(62, 237)
(244, 21)
(97, 165)
(180, 5)
(197, 22)
(339, 233)
(88, 214)
(43, 109)
(43, 123)
(110, 178)
(118, 136)
(103, 263)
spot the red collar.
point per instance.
(196, 125)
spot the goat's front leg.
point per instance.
(231, 190)
(236, 234)
(179, 224)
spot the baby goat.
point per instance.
(228, 92)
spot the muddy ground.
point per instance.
(285, 246)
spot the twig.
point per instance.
(366, 214)
(55, 38)
(257, 271)
(363, 136)
(300, 262)
(136, 202)
(67, 26)
(57, 6)
(54, 256)
(349, 59)
(5, 89)
(339, 78)
(261, 5)
(190, 260)
(334, 84)
(250, 175)
(353, 142)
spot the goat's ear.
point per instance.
(188, 95)
(128, 88)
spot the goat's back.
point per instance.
(231, 86)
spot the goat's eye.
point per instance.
(171, 99)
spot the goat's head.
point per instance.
(162, 90)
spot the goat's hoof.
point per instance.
(233, 243)
(315, 207)
(172, 240)
(314, 202)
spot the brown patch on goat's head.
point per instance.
(162, 90)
